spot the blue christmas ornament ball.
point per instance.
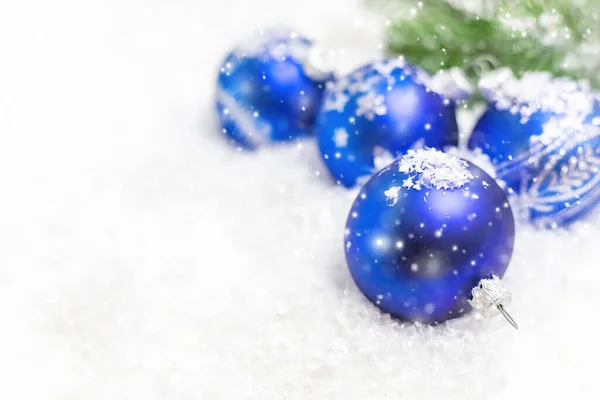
(378, 112)
(268, 90)
(542, 135)
(424, 231)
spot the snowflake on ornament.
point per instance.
(370, 105)
(341, 137)
(335, 101)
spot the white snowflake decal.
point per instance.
(340, 137)
(370, 105)
(335, 101)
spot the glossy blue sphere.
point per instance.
(504, 136)
(416, 248)
(266, 91)
(550, 158)
(377, 113)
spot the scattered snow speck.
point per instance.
(432, 168)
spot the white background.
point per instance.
(141, 257)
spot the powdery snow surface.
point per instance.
(143, 258)
(537, 91)
(432, 168)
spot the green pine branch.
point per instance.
(537, 35)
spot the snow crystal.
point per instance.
(432, 168)
(392, 194)
(536, 91)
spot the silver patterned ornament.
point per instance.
(569, 183)
(542, 135)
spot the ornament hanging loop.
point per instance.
(508, 316)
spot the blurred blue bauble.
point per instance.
(377, 113)
(541, 134)
(424, 231)
(269, 90)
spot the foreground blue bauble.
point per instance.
(377, 113)
(542, 136)
(268, 90)
(424, 231)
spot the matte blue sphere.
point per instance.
(377, 113)
(423, 232)
(267, 90)
(550, 157)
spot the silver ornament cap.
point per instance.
(489, 298)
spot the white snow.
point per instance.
(451, 83)
(562, 129)
(392, 194)
(536, 91)
(430, 168)
(141, 257)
